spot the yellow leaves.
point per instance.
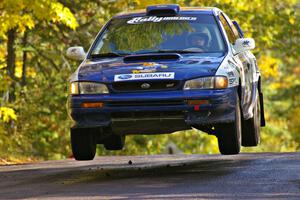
(269, 66)
(28, 21)
(292, 20)
(2, 57)
(144, 4)
(13, 16)
(7, 114)
(64, 15)
(227, 1)
(24, 14)
(31, 72)
(18, 72)
(21, 22)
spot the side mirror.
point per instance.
(243, 44)
(76, 53)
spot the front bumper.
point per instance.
(170, 109)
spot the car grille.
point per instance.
(145, 86)
(144, 103)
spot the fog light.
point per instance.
(197, 102)
(92, 105)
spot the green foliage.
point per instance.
(41, 127)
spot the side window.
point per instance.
(235, 31)
(238, 28)
(230, 33)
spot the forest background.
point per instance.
(34, 69)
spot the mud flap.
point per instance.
(262, 114)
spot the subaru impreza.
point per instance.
(166, 69)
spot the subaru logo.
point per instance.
(125, 76)
(145, 86)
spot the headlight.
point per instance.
(74, 88)
(88, 88)
(215, 82)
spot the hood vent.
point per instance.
(163, 10)
(152, 57)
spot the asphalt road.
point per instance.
(244, 176)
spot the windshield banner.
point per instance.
(138, 20)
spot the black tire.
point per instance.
(84, 143)
(251, 127)
(114, 142)
(229, 134)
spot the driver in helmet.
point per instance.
(198, 41)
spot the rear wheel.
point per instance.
(114, 142)
(251, 127)
(229, 134)
(84, 143)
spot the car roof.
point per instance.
(183, 10)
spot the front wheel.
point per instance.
(84, 143)
(229, 134)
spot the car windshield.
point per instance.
(152, 34)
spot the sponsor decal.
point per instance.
(230, 73)
(232, 81)
(124, 76)
(136, 71)
(149, 67)
(139, 20)
(143, 71)
(246, 43)
(144, 76)
(150, 64)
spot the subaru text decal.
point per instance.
(138, 20)
(144, 76)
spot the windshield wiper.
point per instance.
(107, 55)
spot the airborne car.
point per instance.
(162, 70)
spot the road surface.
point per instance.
(244, 176)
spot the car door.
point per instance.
(252, 66)
(243, 62)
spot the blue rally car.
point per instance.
(162, 70)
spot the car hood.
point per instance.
(187, 67)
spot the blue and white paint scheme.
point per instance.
(153, 85)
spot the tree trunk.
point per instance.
(24, 66)
(11, 62)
